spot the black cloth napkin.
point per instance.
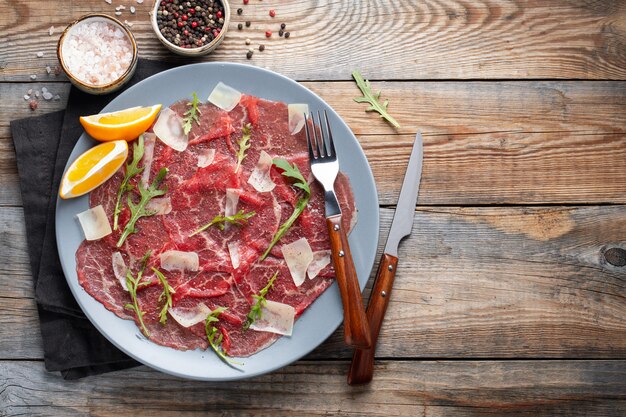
(43, 144)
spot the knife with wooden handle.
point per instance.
(362, 367)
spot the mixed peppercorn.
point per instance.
(190, 24)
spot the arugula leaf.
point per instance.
(291, 172)
(133, 283)
(244, 144)
(167, 294)
(372, 98)
(239, 219)
(191, 115)
(139, 210)
(255, 310)
(132, 169)
(214, 340)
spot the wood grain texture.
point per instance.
(460, 388)
(472, 283)
(485, 142)
(396, 39)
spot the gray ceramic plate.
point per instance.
(317, 322)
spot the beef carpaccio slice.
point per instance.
(198, 181)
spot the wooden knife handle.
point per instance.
(356, 329)
(362, 367)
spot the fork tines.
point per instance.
(319, 140)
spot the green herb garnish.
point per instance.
(139, 210)
(167, 294)
(239, 219)
(132, 169)
(214, 340)
(244, 144)
(290, 172)
(255, 310)
(372, 98)
(134, 283)
(191, 115)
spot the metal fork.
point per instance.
(325, 167)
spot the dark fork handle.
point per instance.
(356, 328)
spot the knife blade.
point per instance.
(362, 367)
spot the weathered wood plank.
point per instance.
(471, 283)
(485, 143)
(386, 39)
(460, 388)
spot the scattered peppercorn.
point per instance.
(268, 33)
(272, 13)
(33, 105)
(248, 23)
(287, 34)
(239, 10)
(240, 26)
(246, 1)
(283, 26)
(249, 54)
(261, 48)
(281, 33)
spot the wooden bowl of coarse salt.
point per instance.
(98, 53)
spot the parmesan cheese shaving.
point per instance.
(275, 318)
(296, 116)
(225, 97)
(232, 199)
(260, 177)
(205, 157)
(233, 251)
(320, 260)
(119, 269)
(95, 223)
(149, 139)
(187, 317)
(298, 256)
(160, 206)
(181, 261)
(169, 129)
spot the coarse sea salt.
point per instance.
(97, 52)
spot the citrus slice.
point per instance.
(120, 125)
(93, 168)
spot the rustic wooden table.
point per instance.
(504, 301)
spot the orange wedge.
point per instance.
(93, 168)
(120, 125)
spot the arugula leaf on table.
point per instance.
(214, 340)
(372, 98)
(290, 172)
(167, 294)
(191, 115)
(244, 144)
(132, 169)
(255, 310)
(239, 219)
(134, 283)
(139, 210)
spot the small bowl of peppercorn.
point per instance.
(190, 27)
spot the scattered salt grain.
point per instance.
(47, 95)
(118, 13)
(132, 9)
(51, 31)
(33, 77)
(26, 97)
(37, 94)
(127, 23)
(30, 91)
(44, 90)
(108, 1)
(139, 1)
(57, 97)
(48, 69)
(39, 54)
(97, 52)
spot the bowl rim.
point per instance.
(201, 50)
(113, 83)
